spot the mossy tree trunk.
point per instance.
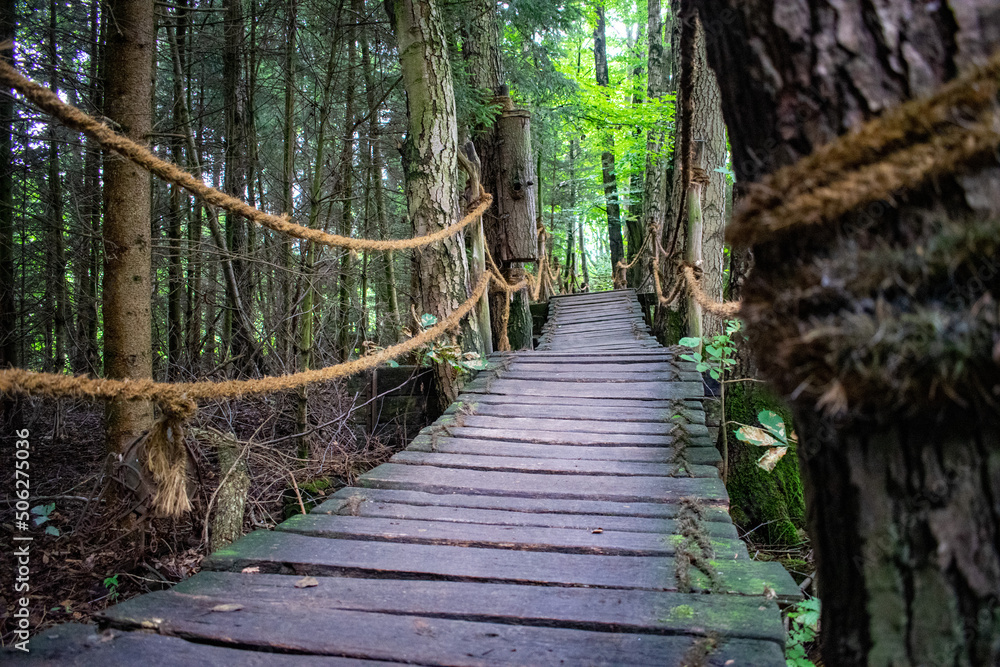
(902, 502)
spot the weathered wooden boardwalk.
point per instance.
(567, 510)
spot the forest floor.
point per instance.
(88, 567)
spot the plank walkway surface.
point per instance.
(566, 510)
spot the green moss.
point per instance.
(681, 612)
(313, 493)
(758, 497)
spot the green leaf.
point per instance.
(427, 320)
(702, 367)
(715, 373)
(52, 530)
(39, 520)
(690, 342)
(392, 363)
(773, 423)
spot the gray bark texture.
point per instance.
(430, 160)
(903, 505)
(127, 288)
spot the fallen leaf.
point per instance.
(232, 606)
(307, 582)
(771, 458)
(597, 531)
(251, 570)
(769, 593)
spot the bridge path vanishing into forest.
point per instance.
(543, 520)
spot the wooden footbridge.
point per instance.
(566, 510)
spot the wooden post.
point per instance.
(512, 231)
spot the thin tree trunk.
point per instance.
(175, 284)
(902, 502)
(8, 310)
(239, 336)
(608, 155)
(654, 183)
(287, 179)
(56, 263)
(346, 329)
(127, 288)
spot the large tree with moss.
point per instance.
(886, 316)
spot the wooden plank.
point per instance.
(505, 406)
(507, 518)
(484, 536)
(647, 612)
(572, 437)
(479, 395)
(599, 376)
(707, 455)
(644, 391)
(568, 425)
(290, 553)
(620, 489)
(528, 363)
(514, 504)
(74, 644)
(414, 639)
(548, 466)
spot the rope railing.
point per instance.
(74, 118)
(178, 402)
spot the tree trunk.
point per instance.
(654, 184)
(56, 280)
(237, 328)
(8, 310)
(175, 275)
(608, 156)
(708, 128)
(347, 317)
(127, 287)
(430, 159)
(902, 505)
(288, 181)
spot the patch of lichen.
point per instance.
(756, 496)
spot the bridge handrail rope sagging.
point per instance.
(903, 149)
(178, 401)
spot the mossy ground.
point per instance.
(774, 501)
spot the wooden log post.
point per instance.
(512, 231)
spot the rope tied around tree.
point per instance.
(74, 118)
(884, 309)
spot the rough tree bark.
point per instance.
(127, 288)
(608, 155)
(903, 509)
(708, 128)
(430, 160)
